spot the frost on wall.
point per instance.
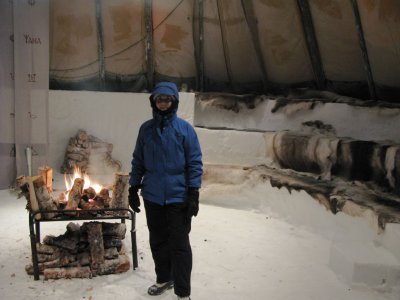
(342, 151)
(90, 154)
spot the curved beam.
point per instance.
(364, 50)
(251, 21)
(148, 23)
(224, 43)
(100, 45)
(312, 43)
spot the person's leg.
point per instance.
(179, 229)
(158, 237)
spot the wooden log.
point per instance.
(84, 258)
(122, 249)
(34, 205)
(20, 180)
(89, 193)
(66, 241)
(63, 256)
(44, 199)
(111, 253)
(117, 230)
(110, 241)
(84, 205)
(47, 174)
(75, 194)
(96, 244)
(23, 190)
(73, 228)
(57, 263)
(105, 196)
(45, 249)
(74, 272)
(45, 257)
(114, 266)
(120, 191)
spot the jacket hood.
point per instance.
(165, 88)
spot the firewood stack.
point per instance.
(90, 154)
(36, 192)
(95, 248)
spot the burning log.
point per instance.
(47, 174)
(44, 199)
(75, 272)
(75, 194)
(120, 191)
(104, 196)
(88, 193)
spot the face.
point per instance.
(163, 102)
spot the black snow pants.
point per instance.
(170, 246)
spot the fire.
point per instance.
(78, 174)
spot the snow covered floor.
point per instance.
(238, 255)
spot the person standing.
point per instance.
(167, 167)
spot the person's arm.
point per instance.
(194, 164)
(194, 171)
(136, 174)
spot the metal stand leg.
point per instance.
(133, 240)
(33, 248)
(37, 227)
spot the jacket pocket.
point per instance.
(177, 160)
(149, 154)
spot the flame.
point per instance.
(78, 174)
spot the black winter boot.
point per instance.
(159, 288)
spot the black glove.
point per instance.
(133, 197)
(192, 202)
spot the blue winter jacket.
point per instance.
(166, 162)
